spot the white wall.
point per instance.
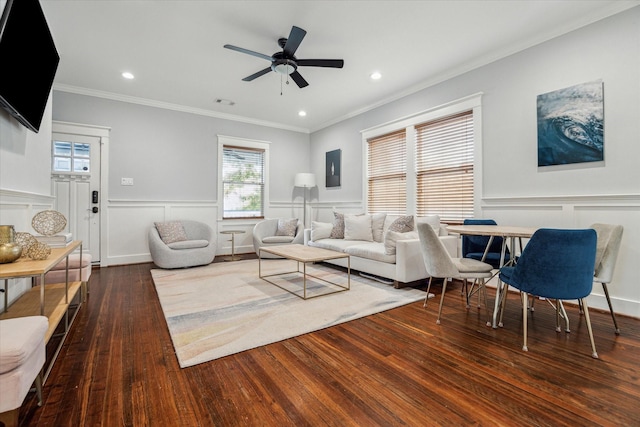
(514, 190)
(172, 158)
(25, 173)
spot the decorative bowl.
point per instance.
(39, 251)
(9, 252)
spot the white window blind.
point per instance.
(444, 168)
(387, 173)
(243, 182)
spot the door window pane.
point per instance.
(71, 157)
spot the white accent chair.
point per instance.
(22, 356)
(265, 235)
(199, 248)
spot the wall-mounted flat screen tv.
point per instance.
(28, 61)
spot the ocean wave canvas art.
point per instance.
(571, 125)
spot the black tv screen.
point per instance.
(28, 61)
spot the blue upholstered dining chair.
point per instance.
(556, 264)
(474, 246)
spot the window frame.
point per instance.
(249, 144)
(471, 102)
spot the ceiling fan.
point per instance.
(285, 62)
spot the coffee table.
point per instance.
(305, 255)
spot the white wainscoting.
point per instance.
(17, 208)
(581, 212)
(128, 223)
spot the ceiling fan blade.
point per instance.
(256, 75)
(300, 81)
(249, 52)
(294, 40)
(330, 63)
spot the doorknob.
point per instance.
(94, 209)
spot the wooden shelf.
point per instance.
(50, 300)
(54, 306)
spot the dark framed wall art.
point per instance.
(571, 125)
(333, 168)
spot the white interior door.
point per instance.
(75, 178)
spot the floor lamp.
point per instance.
(306, 180)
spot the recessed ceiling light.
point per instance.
(302, 113)
(376, 75)
(127, 75)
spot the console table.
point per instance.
(50, 300)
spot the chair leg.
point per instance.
(483, 285)
(39, 388)
(594, 353)
(504, 295)
(525, 302)
(613, 315)
(566, 318)
(444, 289)
(426, 298)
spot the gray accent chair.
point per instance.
(198, 249)
(264, 235)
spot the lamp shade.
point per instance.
(305, 180)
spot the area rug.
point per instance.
(225, 308)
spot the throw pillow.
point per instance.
(338, 226)
(392, 237)
(377, 226)
(171, 231)
(358, 227)
(287, 227)
(320, 230)
(402, 224)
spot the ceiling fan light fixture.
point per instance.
(284, 67)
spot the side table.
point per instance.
(233, 233)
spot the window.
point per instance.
(71, 157)
(387, 173)
(424, 164)
(243, 177)
(444, 167)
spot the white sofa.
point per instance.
(374, 256)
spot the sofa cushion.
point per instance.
(277, 239)
(371, 250)
(171, 231)
(320, 230)
(391, 237)
(338, 245)
(189, 244)
(358, 227)
(287, 227)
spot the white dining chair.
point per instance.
(439, 263)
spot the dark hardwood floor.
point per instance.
(118, 368)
